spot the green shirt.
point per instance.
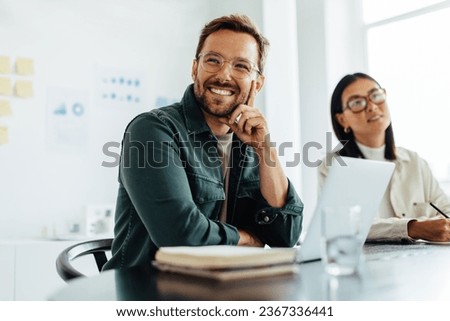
(172, 189)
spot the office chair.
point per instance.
(97, 248)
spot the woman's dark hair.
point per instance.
(350, 148)
(238, 23)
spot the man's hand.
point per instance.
(248, 239)
(432, 230)
(248, 123)
(250, 126)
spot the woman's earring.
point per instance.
(347, 130)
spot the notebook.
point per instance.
(361, 182)
(226, 262)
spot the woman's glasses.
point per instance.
(359, 103)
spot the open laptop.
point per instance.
(361, 182)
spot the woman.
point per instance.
(362, 123)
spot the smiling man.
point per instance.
(203, 171)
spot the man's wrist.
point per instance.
(267, 155)
(248, 239)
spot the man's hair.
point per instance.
(237, 23)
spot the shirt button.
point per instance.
(403, 214)
(266, 219)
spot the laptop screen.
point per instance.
(359, 182)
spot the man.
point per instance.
(203, 171)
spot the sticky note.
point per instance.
(24, 66)
(3, 135)
(24, 88)
(4, 65)
(5, 86)
(5, 108)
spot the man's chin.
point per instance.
(218, 111)
(216, 107)
(217, 114)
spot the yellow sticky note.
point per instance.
(3, 135)
(4, 65)
(5, 108)
(24, 66)
(24, 88)
(5, 86)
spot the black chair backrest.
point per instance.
(97, 248)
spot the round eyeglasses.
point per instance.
(240, 68)
(359, 103)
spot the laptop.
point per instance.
(361, 182)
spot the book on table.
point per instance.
(226, 262)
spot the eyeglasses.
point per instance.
(359, 103)
(240, 68)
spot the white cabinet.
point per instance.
(7, 263)
(28, 270)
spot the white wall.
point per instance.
(312, 71)
(345, 40)
(282, 95)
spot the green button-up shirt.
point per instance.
(172, 189)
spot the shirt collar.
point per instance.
(402, 155)
(375, 153)
(195, 121)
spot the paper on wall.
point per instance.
(24, 66)
(5, 108)
(3, 135)
(67, 122)
(4, 65)
(5, 86)
(24, 88)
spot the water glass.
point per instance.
(341, 239)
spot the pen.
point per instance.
(435, 207)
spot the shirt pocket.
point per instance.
(208, 194)
(420, 209)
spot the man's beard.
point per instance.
(207, 103)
